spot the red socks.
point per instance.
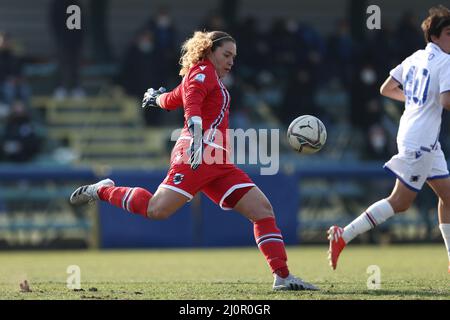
(270, 242)
(134, 200)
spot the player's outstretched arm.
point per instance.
(161, 99)
(151, 97)
(391, 89)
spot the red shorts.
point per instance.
(217, 181)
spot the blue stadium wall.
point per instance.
(204, 224)
(200, 223)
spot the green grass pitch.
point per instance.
(407, 272)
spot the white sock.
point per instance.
(445, 230)
(376, 214)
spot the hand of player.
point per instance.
(150, 97)
(196, 152)
(196, 147)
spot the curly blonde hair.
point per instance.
(197, 47)
(438, 19)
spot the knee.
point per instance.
(267, 209)
(157, 212)
(444, 196)
(262, 210)
(398, 204)
(445, 201)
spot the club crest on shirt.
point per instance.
(200, 77)
(177, 178)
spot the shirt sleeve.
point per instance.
(444, 78)
(200, 83)
(172, 100)
(397, 73)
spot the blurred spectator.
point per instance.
(101, 48)
(409, 36)
(68, 49)
(333, 100)
(283, 42)
(365, 88)
(165, 42)
(311, 51)
(64, 153)
(142, 67)
(12, 82)
(20, 142)
(163, 29)
(312, 43)
(290, 68)
(341, 52)
(254, 53)
(298, 96)
(386, 59)
(214, 21)
(377, 147)
(240, 116)
(269, 90)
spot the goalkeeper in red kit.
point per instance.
(206, 58)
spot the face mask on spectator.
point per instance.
(368, 76)
(163, 21)
(377, 138)
(145, 46)
(291, 26)
(228, 81)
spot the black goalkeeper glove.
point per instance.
(150, 97)
(196, 147)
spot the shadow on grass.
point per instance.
(325, 292)
(374, 294)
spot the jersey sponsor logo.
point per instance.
(200, 77)
(418, 154)
(177, 178)
(202, 68)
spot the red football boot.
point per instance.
(337, 244)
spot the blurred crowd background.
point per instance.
(288, 64)
(70, 114)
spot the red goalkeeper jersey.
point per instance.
(202, 94)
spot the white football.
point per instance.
(307, 134)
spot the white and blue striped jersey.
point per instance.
(424, 76)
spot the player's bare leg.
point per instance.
(164, 203)
(255, 206)
(400, 200)
(401, 197)
(442, 189)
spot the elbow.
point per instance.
(383, 90)
(445, 101)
